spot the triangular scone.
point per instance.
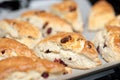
(24, 68)
(100, 14)
(10, 47)
(70, 49)
(48, 23)
(69, 11)
(114, 22)
(21, 31)
(107, 42)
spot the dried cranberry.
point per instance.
(72, 8)
(47, 51)
(105, 45)
(63, 63)
(45, 75)
(3, 51)
(98, 49)
(60, 61)
(56, 60)
(49, 30)
(70, 58)
(66, 39)
(44, 26)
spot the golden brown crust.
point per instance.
(21, 31)
(24, 64)
(101, 13)
(66, 6)
(66, 39)
(45, 16)
(24, 28)
(48, 23)
(74, 42)
(68, 10)
(10, 47)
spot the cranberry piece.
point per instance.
(3, 51)
(98, 49)
(45, 75)
(63, 63)
(49, 30)
(47, 51)
(105, 45)
(56, 60)
(60, 61)
(66, 39)
(70, 58)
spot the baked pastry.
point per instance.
(10, 47)
(24, 68)
(47, 22)
(114, 22)
(101, 13)
(69, 11)
(70, 49)
(107, 43)
(21, 31)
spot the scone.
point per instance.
(10, 47)
(24, 68)
(21, 31)
(70, 49)
(114, 22)
(101, 13)
(107, 42)
(69, 11)
(47, 22)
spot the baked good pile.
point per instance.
(39, 44)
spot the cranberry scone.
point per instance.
(10, 47)
(21, 31)
(101, 13)
(48, 23)
(69, 11)
(70, 49)
(107, 43)
(24, 68)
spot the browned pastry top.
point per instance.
(10, 47)
(73, 41)
(45, 16)
(24, 64)
(24, 28)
